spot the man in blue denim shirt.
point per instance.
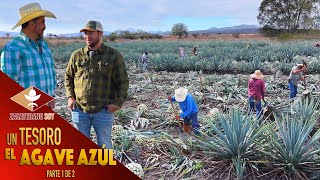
(189, 108)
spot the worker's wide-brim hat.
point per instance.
(180, 94)
(257, 75)
(30, 12)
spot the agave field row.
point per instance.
(284, 143)
(214, 56)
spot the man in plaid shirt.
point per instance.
(96, 83)
(27, 58)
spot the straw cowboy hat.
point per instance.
(32, 95)
(30, 12)
(180, 94)
(257, 75)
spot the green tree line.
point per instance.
(289, 16)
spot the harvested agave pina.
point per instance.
(142, 108)
(246, 103)
(170, 109)
(213, 113)
(140, 139)
(117, 131)
(136, 169)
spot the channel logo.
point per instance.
(32, 98)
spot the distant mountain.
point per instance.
(12, 34)
(160, 32)
(242, 29)
(242, 26)
(78, 34)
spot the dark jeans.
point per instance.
(293, 90)
(193, 120)
(253, 104)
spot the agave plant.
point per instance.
(306, 108)
(236, 135)
(290, 147)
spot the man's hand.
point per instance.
(71, 103)
(51, 104)
(177, 117)
(112, 108)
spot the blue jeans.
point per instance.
(144, 66)
(293, 90)
(256, 105)
(101, 121)
(194, 122)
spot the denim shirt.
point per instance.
(188, 106)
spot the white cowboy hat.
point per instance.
(257, 75)
(32, 95)
(30, 12)
(180, 94)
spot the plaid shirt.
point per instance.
(29, 63)
(96, 81)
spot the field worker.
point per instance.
(194, 51)
(294, 77)
(145, 60)
(181, 53)
(96, 83)
(27, 58)
(189, 108)
(256, 91)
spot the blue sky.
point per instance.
(137, 14)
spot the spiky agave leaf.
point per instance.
(239, 167)
(235, 137)
(291, 147)
(306, 108)
(139, 123)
